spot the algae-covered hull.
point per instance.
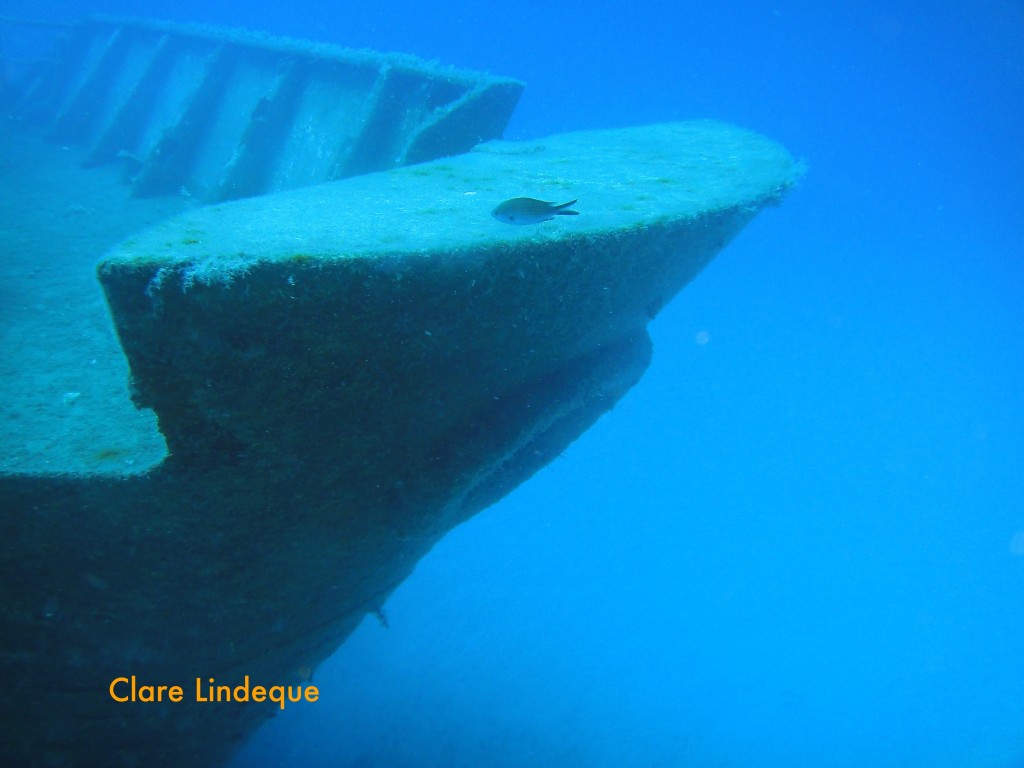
(342, 373)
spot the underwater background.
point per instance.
(799, 541)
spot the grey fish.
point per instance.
(526, 210)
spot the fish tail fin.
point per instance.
(560, 209)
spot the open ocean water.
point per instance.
(799, 541)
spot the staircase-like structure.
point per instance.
(222, 114)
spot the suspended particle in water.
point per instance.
(1017, 544)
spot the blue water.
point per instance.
(800, 540)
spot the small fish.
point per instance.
(526, 210)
